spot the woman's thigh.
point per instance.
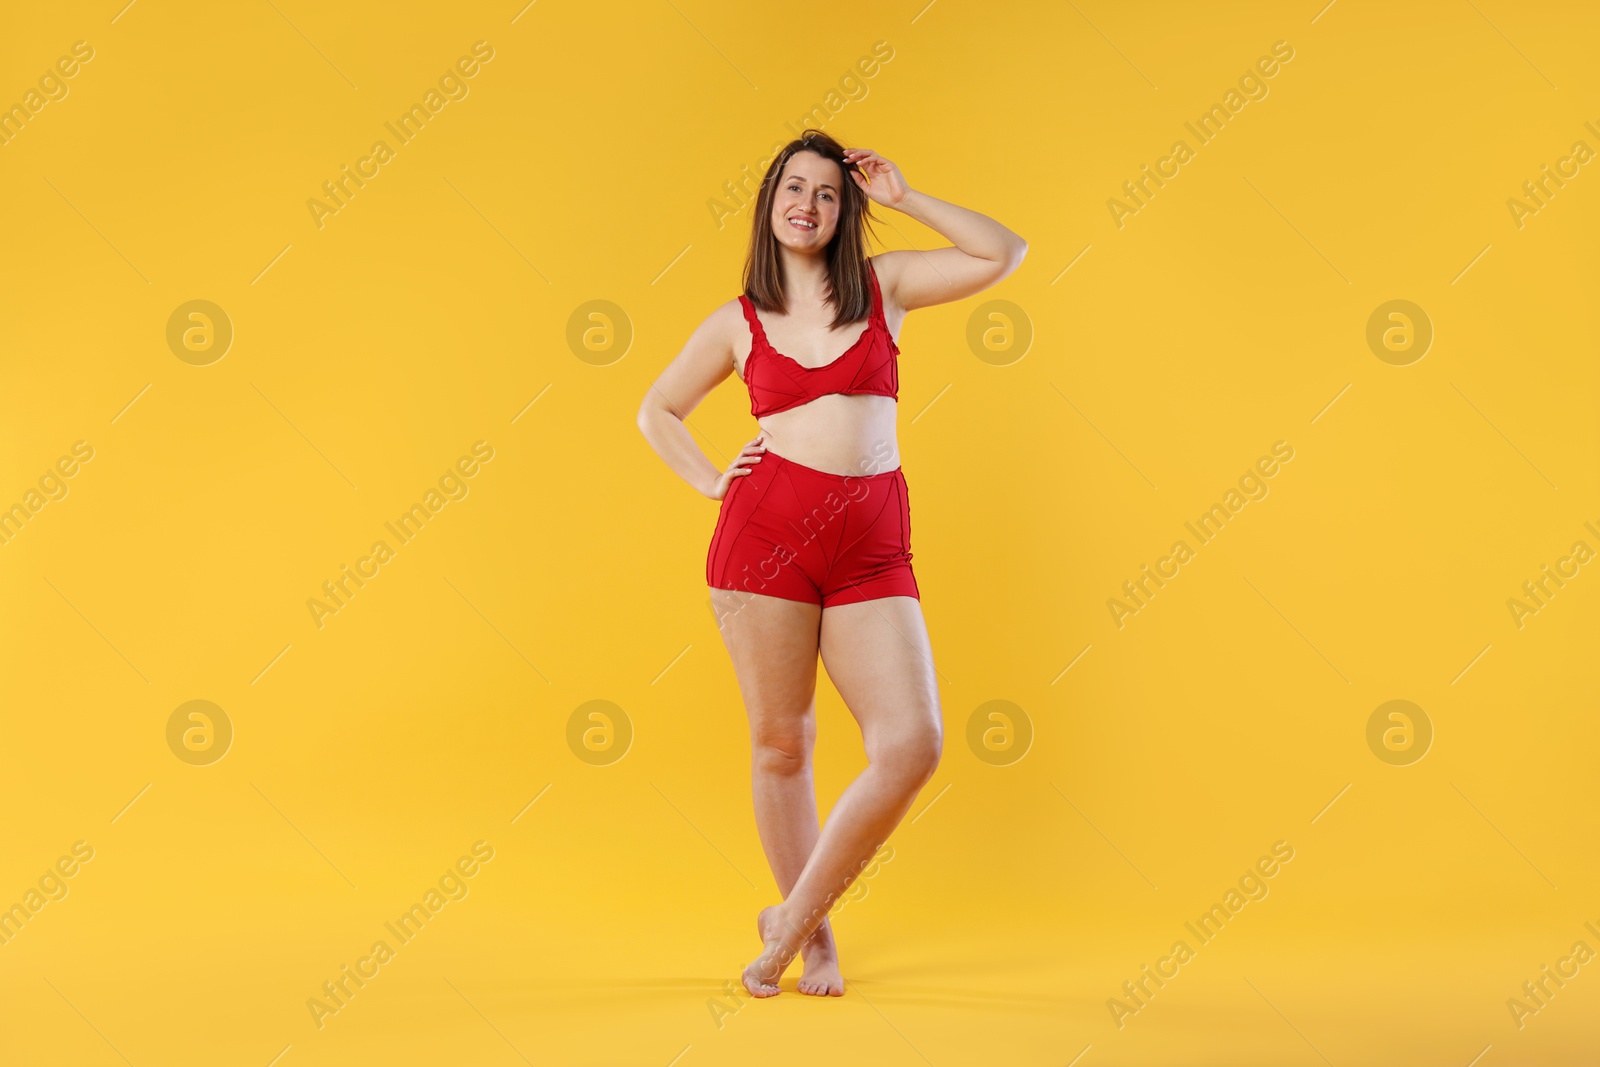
(880, 659)
(773, 645)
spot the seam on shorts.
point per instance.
(817, 540)
(720, 533)
(904, 511)
(753, 510)
(871, 522)
(831, 560)
(797, 528)
(794, 559)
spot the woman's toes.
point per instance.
(758, 988)
(822, 979)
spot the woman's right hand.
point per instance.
(739, 468)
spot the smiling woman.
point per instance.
(811, 554)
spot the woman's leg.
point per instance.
(879, 658)
(773, 644)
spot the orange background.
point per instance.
(1132, 377)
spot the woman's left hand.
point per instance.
(880, 179)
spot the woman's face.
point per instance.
(805, 206)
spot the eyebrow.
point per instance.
(798, 178)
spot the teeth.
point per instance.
(803, 222)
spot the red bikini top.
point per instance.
(778, 383)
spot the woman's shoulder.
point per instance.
(731, 322)
(731, 316)
(725, 316)
(720, 330)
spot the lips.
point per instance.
(802, 224)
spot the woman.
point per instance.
(812, 551)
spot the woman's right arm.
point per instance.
(706, 360)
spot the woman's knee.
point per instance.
(781, 750)
(911, 752)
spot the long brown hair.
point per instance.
(848, 286)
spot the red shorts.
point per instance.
(792, 531)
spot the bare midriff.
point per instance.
(838, 433)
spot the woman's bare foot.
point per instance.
(761, 977)
(821, 954)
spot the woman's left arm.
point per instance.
(984, 251)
